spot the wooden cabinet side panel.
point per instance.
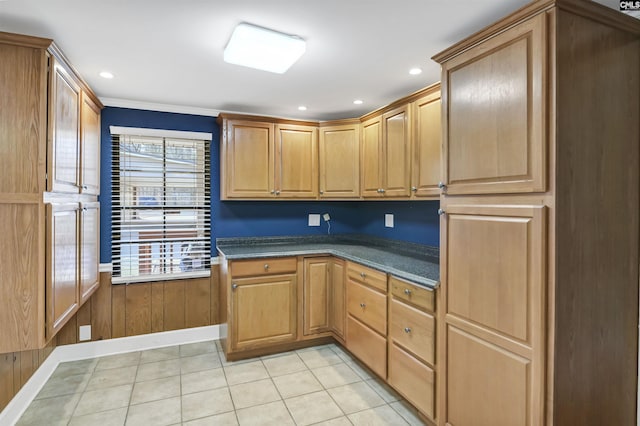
(338, 296)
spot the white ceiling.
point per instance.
(169, 53)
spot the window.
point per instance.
(160, 204)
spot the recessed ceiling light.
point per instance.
(302, 108)
(415, 71)
(358, 102)
(263, 49)
(106, 74)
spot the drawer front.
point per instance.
(367, 276)
(368, 346)
(413, 379)
(420, 296)
(267, 266)
(412, 329)
(368, 305)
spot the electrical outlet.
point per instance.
(85, 333)
(388, 220)
(314, 220)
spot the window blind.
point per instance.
(160, 206)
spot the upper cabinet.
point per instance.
(426, 147)
(339, 155)
(371, 174)
(495, 140)
(89, 146)
(260, 159)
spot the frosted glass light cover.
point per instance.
(263, 49)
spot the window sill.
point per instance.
(155, 278)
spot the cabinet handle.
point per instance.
(442, 186)
(234, 286)
(441, 212)
(407, 330)
(266, 266)
(414, 189)
(362, 305)
(363, 275)
(407, 292)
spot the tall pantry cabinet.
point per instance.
(49, 182)
(538, 321)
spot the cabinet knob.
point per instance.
(407, 330)
(441, 212)
(441, 185)
(321, 192)
(277, 192)
(84, 187)
(266, 266)
(414, 189)
(363, 275)
(234, 286)
(362, 305)
(84, 209)
(382, 191)
(407, 292)
(273, 191)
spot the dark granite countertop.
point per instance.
(417, 263)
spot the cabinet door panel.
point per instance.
(495, 109)
(338, 295)
(397, 151)
(297, 161)
(64, 144)
(371, 172)
(487, 385)
(413, 379)
(264, 311)
(89, 249)
(249, 159)
(316, 295)
(412, 329)
(427, 145)
(340, 162)
(62, 265)
(90, 147)
(368, 305)
(367, 345)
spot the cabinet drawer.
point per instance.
(412, 329)
(244, 268)
(413, 379)
(368, 346)
(414, 294)
(367, 276)
(368, 305)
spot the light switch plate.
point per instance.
(85, 333)
(388, 220)
(314, 220)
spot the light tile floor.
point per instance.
(194, 385)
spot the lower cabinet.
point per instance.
(338, 294)
(317, 291)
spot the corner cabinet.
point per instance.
(339, 158)
(49, 174)
(427, 145)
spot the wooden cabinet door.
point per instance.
(427, 142)
(340, 161)
(89, 146)
(296, 161)
(89, 249)
(317, 293)
(63, 297)
(495, 116)
(248, 153)
(371, 152)
(338, 294)
(413, 379)
(493, 284)
(263, 310)
(64, 133)
(396, 148)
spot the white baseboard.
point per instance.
(14, 410)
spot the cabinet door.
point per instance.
(89, 146)
(317, 292)
(296, 161)
(396, 153)
(89, 249)
(495, 96)
(340, 161)
(371, 151)
(263, 311)
(249, 157)
(338, 295)
(62, 265)
(64, 133)
(493, 285)
(427, 142)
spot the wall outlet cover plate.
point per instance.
(314, 220)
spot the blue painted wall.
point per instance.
(415, 221)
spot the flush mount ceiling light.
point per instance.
(263, 49)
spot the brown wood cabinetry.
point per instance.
(337, 308)
(426, 146)
(317, 292)
(296, 161)
(50, 246)
(539, 257)
(339, 157)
